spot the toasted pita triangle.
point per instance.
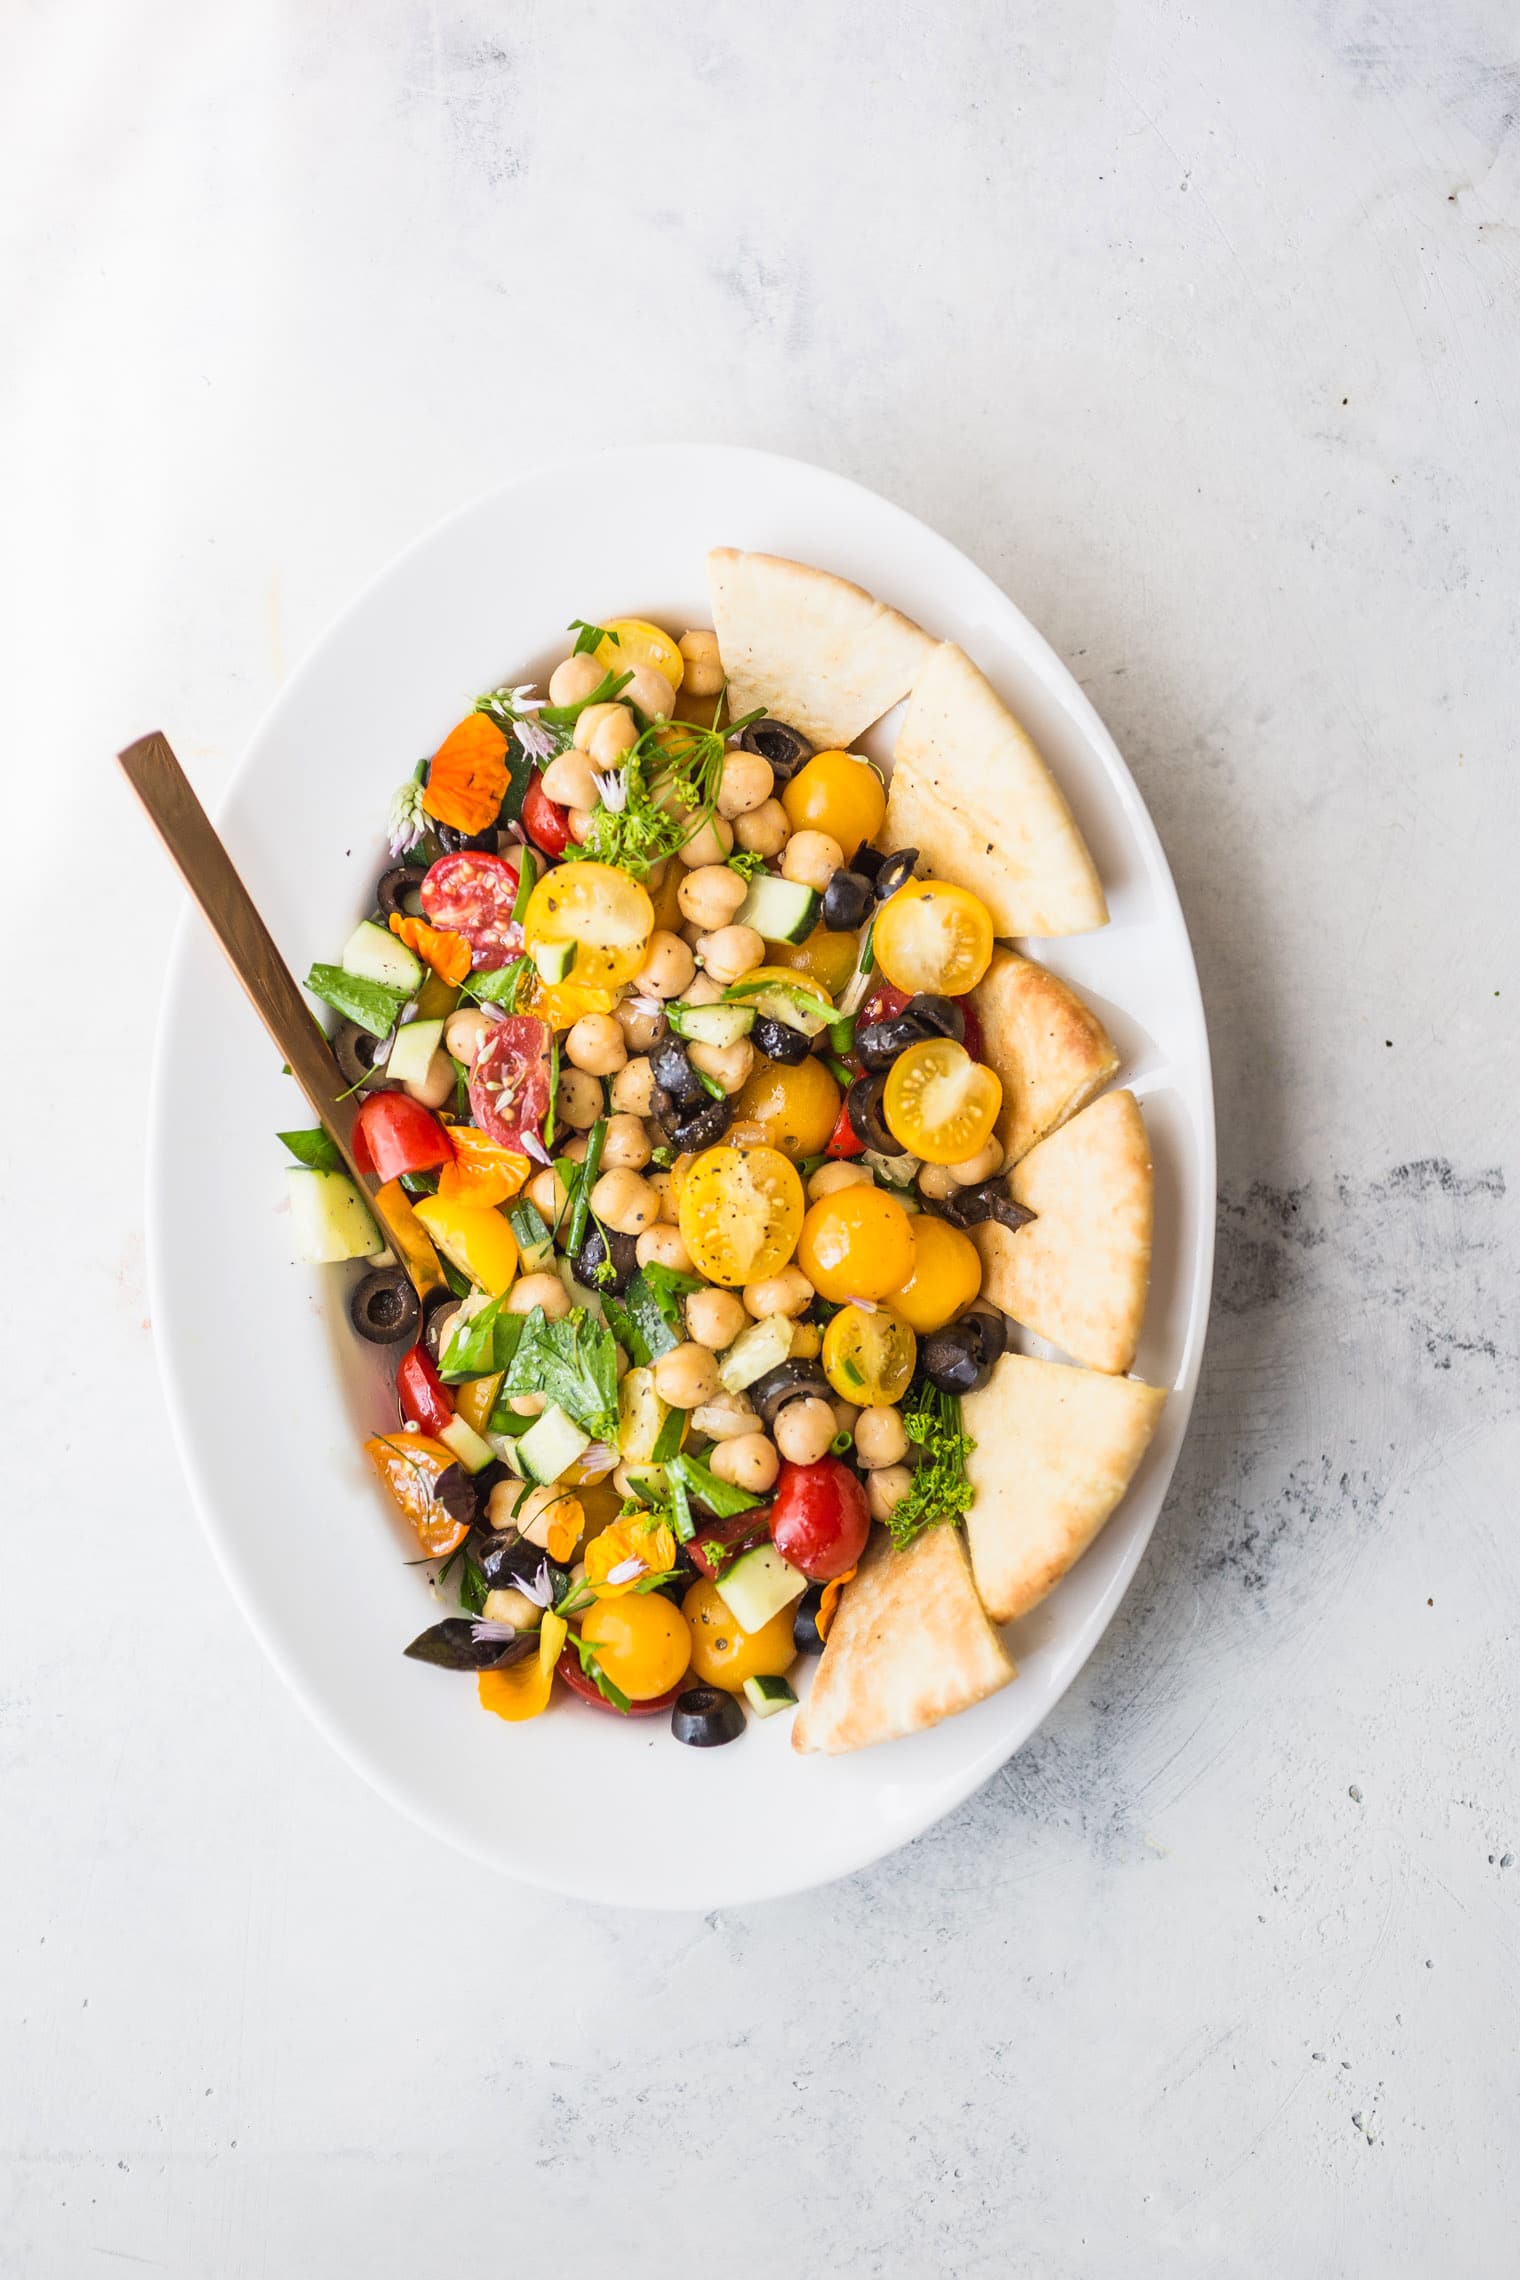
(1056, 1447)
(910, 1645)
(811, 648)
(1078, 1274)
(970, 791)
(1050, 1050)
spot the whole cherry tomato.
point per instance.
(569, 1668)
(509, 1083)
(820, 1519)
(420, 1391)
(546, 823)
(394, 1134)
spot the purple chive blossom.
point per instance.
(613, 786)
(487, 1634)
(626, 1571)
(866, 1305)
(538, 1588)
(406, 821)
(598, 1453)
(538, 742)
(534, 1147)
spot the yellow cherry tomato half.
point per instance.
(641, 1642)
(840, 794)
(473, 1238)
(640, 643)
(939, 1103)
(601, 912)
(868, 1358)
(793, 1106)
(723, 1655)
(827, 958)
(741, 1211)
(561, 1004)
(522, 1690)
(856, 1243)
(931, 935)
(947, 1274)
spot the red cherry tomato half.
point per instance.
(546, 823)
(738, 1533)
(394, 1134)
(885, 1002)
(473, 894)
(973, 1039)
(844, 1140)
(820, 1519)
(420, 1391)
(509, 1083)
(569, 1668)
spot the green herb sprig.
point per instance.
(941, 1493)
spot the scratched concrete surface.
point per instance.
(1197, 328)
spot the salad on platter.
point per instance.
(747, 1157)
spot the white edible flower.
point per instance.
(539, 1588)
(613, 786)
(626, 1571)
(406, 822)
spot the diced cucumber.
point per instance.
(648, 1481)
(858, 988)
(763, 1346)
(795, 1004)
(551, 1444)
(378, 956)
(535, 1243)
(416, 1043)
(896, 1171)
(473, 1452)
(758, 1585)
(779, 910)
(641, 1417)
(506, 1446)
(554, 960)
(332, 1219)
(768, 1695)
(711, 1024)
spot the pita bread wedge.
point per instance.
(1056, 1447)
(1051, 1051)
(811, 648)
(970, 791)
(910, 1645)
(1078, 1274)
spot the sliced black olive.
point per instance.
(786, 748)
(846, 899)
(935, 1016)
(895, 872)
(396, 885)
(868, 861)
(706, 1718)
(437, 1307)
(778, 1040)
(508, 1560)
(959, 1359)
(453, 1645)
(356, 1051)
(988, 1330)
(788, 1381)
(455, 1490)
(597, 1250)
(704, 1127)
(806, 1636)
(384, 1308)
(674, 1074)
(863, 1106)
(989, 1199)
(878, 1043)
(478, 842)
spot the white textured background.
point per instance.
(1198, 328)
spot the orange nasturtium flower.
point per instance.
(468, 776)
(448, 954)
(522, 1690)
(411, 1466)
(828, 1602)
(624, 1553)
(481, 1172)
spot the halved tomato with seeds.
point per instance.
(473, 894)
(509, 1083)
(939, 1103)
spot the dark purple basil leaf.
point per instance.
(461, 1642)
(455, 1491)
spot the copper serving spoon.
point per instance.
(207, 869)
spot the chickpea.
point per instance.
(547, 1193)
(574, 678)
(436, 1084)
(764, 830)
(807, 1342)
(879, 1437)
(545, 1511)
(650, 691)
(714, 843)
(578, 822)
(514, 1607)
(845, 1414)
(830, 1177)
(625, 1144)
(687, 1376)
(787, 1293)
(633, 1085)
(668, 966)
(662, 1180)
(528, 1404)
(812, 858)
(732, 952)
(703, 990)
(624, 1202)
(692, 935)
(543, 1290)
(934, 1181)
(640, 1028)
(726, 1418)
(727, 1065)
(747, 785)
(604, 733)
(466, 1031)
(577, 1098)
(749, 1461)
(710, 896)
(596, 1044)
(804, 1430)
(886, 1489)
(570, 781)
(663, 1246)
(984, 1165)
(714, 1318)
(573, 1150)
(704, 675)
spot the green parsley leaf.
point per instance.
(313, 1148)
(688, 1477)
(941, 1493)
(572, 1363)
(590, 1663)
(370, 1005)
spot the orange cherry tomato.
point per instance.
(600, 913)
(856, 1243)
(793, 1106)
(840, 794)
(481, 1172)
(947, 1274)
(411, 1466)
(827, 958)
(722, 1654)
(640, 643)
(939, 1103)
(868, 1357)
(933, 936)
(642, 1643)
(740, 1213)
